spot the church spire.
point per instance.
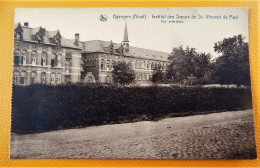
(125, 42)
(125, 34)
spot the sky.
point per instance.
(152, 29)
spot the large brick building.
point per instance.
(42, 56)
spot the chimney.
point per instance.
(77, 37)
(26, 24)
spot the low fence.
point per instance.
(38, 108)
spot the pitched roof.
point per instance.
(102, 46)
(29, 32)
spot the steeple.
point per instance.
(125, 34)
(125, 42)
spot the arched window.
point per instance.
(52, 78)
(16, 57)
(140, 76)
(16, 78)
(144, 76)
(43, 59)
(33, 77)
(22, 78)
(43, 77)
(34, 58)
(58, 78)
(17, 37)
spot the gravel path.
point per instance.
(226, 135)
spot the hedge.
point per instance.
(38, 108)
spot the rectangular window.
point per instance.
(16, 60)
(15, 80)
(24, 60)
(108, 65)
(43, 62)
(52, 63)
(21, 60)
(58, 61)
(33, 60)
(52, 78)
(58, 80)
(43, 79)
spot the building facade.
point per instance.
(46, 57)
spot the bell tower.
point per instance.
(125, 42)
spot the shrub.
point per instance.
(39, 108)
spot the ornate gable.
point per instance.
(18, 35)
(111, 47)
(120, 50)
(57, 39)
(39, 36)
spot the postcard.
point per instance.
(132, 83)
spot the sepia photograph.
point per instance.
(132, 83)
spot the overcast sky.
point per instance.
(148, 33)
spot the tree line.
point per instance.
(190, 67)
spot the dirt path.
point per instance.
(213, 136)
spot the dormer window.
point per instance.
(57, 39)
(18, 37)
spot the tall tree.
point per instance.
(123, 74)
(189, 67)
(232, 67)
